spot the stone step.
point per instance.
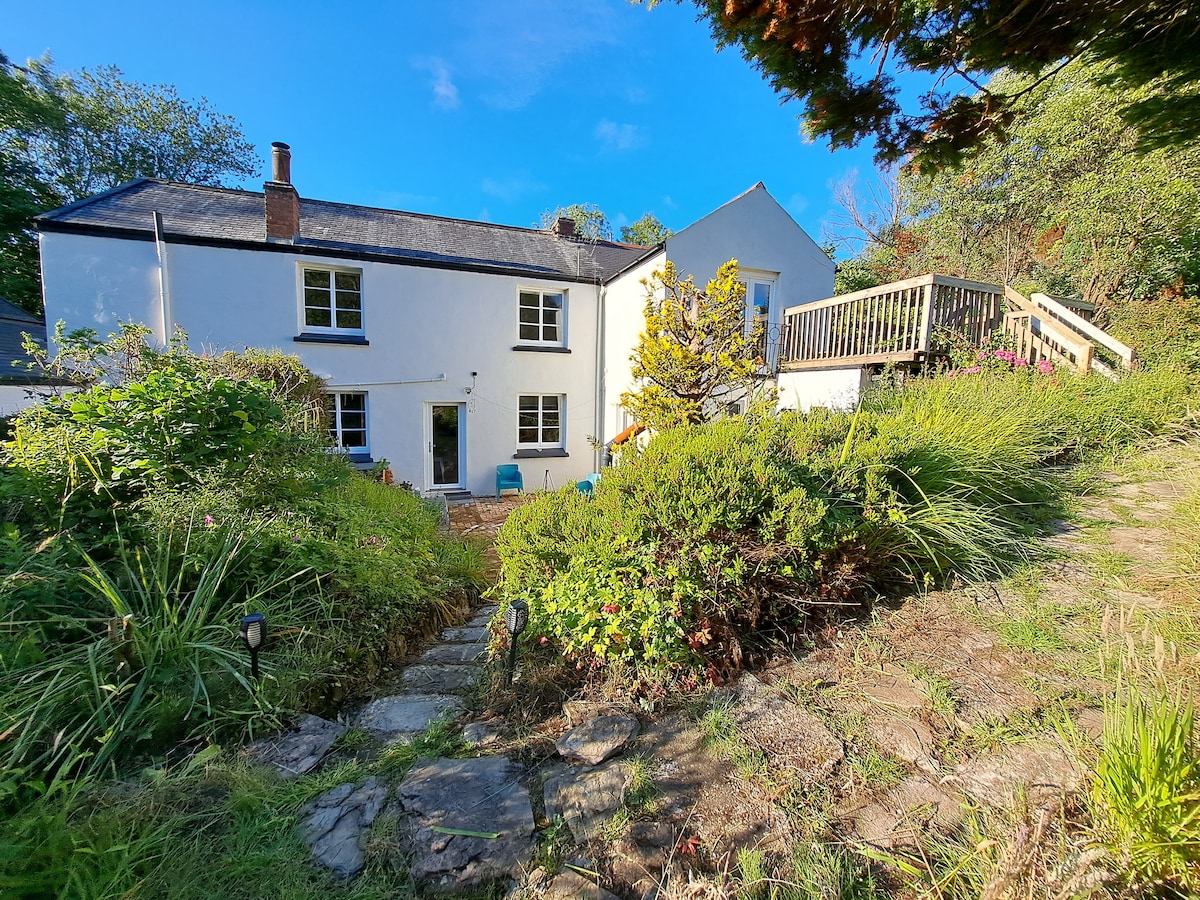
(405, 715)
(465, 635)
(483, 616)
(438, 679)
(454, 653)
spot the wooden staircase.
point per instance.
(901, 323)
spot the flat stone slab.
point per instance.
(454, 653)
(1042, 770)
(907, 812)
(483, 616)
(478, 795)
(569, 885)
(790, 734)
(465, 635)
(586, 801)
(299, 750)
(438, 679)
(407, 714)
(598, 739)
(483, 734)
(905, 738)
(337, 823)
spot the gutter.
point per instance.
(164, 286)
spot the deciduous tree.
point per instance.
(590, 221)
(646, 231)
(64, 137)
(697, 353)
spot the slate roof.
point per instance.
(14, 321)
(224, 216)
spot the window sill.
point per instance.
(533, 348)
(549, 453)
(309, 337)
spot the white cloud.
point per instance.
(511, 188)
(445, 91)
(613, 136)
(510, 50)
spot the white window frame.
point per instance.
(541, 427)
(561, 324)
(338, 431)
(333, 272)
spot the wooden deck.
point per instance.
(902, 322)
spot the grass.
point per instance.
(1146, 790)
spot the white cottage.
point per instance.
(448, 346)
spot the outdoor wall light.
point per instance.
(254, 636)
(516, 617)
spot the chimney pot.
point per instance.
(280, 198)
(564, 227)
(281, 162)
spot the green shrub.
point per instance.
(1146, 789)
(713, 533)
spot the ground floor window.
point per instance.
(539, 421)
(347, 415)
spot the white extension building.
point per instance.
(449, 347)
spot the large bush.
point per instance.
(148, 512)
(714, 533)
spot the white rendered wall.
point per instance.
(624, 322)
(831, 388)
(756, 231)
(14, 398)
(422, 324)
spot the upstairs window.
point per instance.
(541, 317)
(347, 416)
(539, 421)
(333, 300)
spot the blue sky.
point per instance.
(483, 110)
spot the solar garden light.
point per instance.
(254, 635)
(516, 617)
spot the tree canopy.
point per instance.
(838, 57)
(646, 232)
(64, 137)
(590, 221)
(696, 353)
(1062, 204)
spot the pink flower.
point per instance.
(609, 608)
(981, 355)
(1045, 367)
(974, 370)
(210, 521)
(1020, 361)
(543, 640)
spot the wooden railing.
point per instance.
(1045, 328)
(891, 323)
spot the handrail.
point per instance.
(1083, 326)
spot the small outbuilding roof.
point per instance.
(14, 323)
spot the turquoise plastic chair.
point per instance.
(587, 484)
(509, 477)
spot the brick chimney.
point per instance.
(564, 227)
(281, 200)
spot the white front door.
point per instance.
(445, 455)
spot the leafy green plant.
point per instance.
(155, 662)
(1146, 788)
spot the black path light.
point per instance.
(516, 617)
(254, 635)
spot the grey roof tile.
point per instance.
(191, 211)
(14, 322)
